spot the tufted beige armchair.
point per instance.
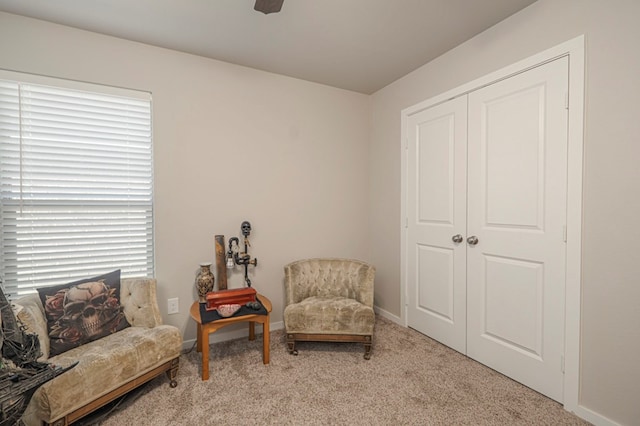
(329, 300)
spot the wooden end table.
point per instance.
(205, 329)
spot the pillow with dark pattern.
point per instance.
(82, 311)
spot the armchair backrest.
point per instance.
(329, 277)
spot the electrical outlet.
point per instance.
(173, 306)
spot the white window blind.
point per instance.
(76, 185)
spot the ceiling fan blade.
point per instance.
(268, 6)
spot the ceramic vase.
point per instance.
(204, 281)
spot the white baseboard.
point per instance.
(231, 334)
(388, 315)
(238, 333)
(593, 417)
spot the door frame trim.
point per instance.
(574, 49)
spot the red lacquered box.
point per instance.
(238, 296)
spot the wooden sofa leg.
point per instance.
(291, 344)
(367, 348)
(172, 372)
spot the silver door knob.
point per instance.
(472, 240)
(457, 238)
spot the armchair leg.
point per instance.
(367, 350)
(291, 344)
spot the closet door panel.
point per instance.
(436, 296)
(517, 211)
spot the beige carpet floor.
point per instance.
(409, 380)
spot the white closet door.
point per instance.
(517, 211)
(436, 208)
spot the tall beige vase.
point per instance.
(204, 281)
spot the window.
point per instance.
(76, 182)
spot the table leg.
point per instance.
(198, 338)
(265, 341)
(252, 330)
(204, 344)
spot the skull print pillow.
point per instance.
(82, 311)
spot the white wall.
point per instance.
(230, 144)
(610, 375)
(292, 157)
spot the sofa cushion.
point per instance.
(336, 315)
(82, 311)
(104, 365)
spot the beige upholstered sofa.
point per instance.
(329, 300)
(108, 367)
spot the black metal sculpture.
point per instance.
(20, 372)
(234, 256)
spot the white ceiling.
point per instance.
(359, 45)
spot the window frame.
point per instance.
(15, 287)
